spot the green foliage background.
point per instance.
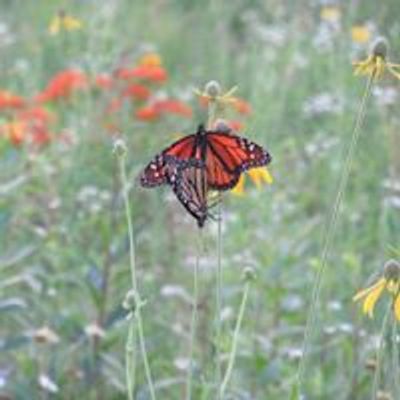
(64, 261)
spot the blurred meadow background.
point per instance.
(76, 75)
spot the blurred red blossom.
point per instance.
(62, 85)
(103, 81)
(151, 73)
(159, 108)
(136, 91)
(10, 100)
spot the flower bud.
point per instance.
(130, 301)
(119, 147)
(249, 274)
(213, 89)
(380, 48)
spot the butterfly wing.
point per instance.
(156, 171)
(228, 156)
(189, 183)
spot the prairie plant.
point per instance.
(374, 67)
(133, 302)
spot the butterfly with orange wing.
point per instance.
(212, 160)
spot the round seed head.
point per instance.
(391, 270)
(380, 48)
(213, 89)
(249, 274)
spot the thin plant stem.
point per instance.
(235, 340)
(379, 353)
(395, 358)
(331, 228)
(138, 301)
(212, 110)
(218, 304)
(130, 358)
(193, 322)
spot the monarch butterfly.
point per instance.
(188, 181)
(224, 156)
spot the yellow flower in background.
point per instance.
(63, 21)
(376, 63)
(390, 282)
(259, 176)
(330, 13)
(150, 60)
(360, 34)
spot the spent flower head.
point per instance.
(377, 61)
(389, 282)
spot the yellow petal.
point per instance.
(150, 60)
(71, 23)
(372, 298)
(238, 190)
(54, 26)
(360, 34)
(259, 176)
(362, 293)
(397, 307)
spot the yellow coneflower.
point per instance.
(259, 176)
(376, 63)
(390, 282)
(64, 21)
(330, 13)
(360, 34)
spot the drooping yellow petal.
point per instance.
(260, 175)
(330, 13)
(71, 23)
(397, 307)
(372, 297)
(362, 293)
(238, 190)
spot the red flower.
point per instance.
(38, 114)
(173, 107)
(103, 81)
(147, 113)
(151, 73)
(62, 85)
(235, 125)
(137, 92)
(241, 106)
(10, 100)
(14, 131)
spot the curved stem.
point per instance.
(235, 341)
(138, 301)
(193, 323)
(331, 228)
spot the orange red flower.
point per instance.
(152, 73)
(136, 91)
(103, 81)
(10, 100)
(62, 85)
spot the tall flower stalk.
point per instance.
(132, 301)
(248, 276)
(373, 67)
(193, 322)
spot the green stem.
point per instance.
(130, 359)
(331, 228)
(138, 301)
(395, 358)
(235, 341)
(379, 353)
(218, 305)
(193, 323)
